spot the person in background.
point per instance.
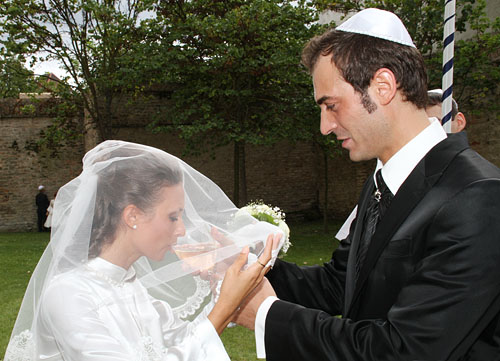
(433, 110)
(50, 211)
(42, 203)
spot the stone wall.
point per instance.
(290, 176)
(284, 174)
(22, 170)
(484, 136)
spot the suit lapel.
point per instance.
(419, 182)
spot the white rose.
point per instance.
(284, 228)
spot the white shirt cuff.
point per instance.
(260, 325)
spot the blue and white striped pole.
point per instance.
(448, 50)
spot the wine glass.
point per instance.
(199, 256)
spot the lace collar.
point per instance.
(110, 272)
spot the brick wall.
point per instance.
(284, 174)
(484, 136)
(287, 175)
(23, 170)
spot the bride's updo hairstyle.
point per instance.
(131, 176)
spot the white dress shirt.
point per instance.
(344, 230)
(394, 172)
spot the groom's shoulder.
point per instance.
(464, 163)
(472, 167)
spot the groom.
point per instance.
(418, 278)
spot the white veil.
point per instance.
(209, 218)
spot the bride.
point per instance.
(140, 243)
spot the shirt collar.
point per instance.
(401, 164)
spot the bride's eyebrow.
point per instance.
(180, 210)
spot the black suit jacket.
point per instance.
(42, 202)
(429, 288)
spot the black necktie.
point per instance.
(377, 205)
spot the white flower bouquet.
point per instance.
(274, 215)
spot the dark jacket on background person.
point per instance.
(42, 203)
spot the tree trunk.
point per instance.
(236, 172)
(243, 174)
(240, 175)
(325, 206)
(91, 133)
(106, 115)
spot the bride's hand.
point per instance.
(239, 282)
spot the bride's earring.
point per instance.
(134, 226)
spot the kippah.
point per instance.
(379, 24)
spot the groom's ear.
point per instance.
(383, 86)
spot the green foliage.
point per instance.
(28, 109)
(231, 68)
(477, 65)
(66, 128)
(92, 40)
(235, 74)
(235, 69)
(265, 218)
(14, 77)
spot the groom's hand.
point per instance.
(247, 312)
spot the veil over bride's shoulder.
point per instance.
(179, 233)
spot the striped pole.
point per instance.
(449, 43)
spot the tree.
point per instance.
(15, 78)
(477, 65)
(234, 67)
(92, 40)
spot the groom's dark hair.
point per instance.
(358, 57)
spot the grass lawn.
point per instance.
(19, 254)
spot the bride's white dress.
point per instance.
(74, 310)
(100, 311)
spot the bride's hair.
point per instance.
(135, 179)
